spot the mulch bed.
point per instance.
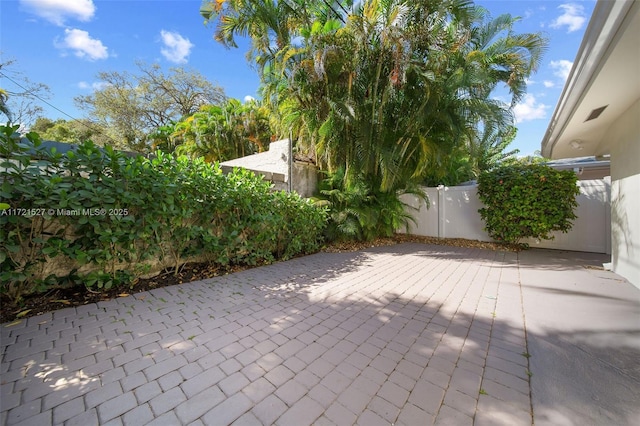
(60, 298)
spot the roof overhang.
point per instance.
(605, 73)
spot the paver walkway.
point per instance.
(409, 334)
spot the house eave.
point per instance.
(606, 27)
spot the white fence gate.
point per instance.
(453, 213)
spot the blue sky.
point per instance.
(65, 43)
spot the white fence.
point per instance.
(453, 213)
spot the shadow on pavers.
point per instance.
(83, 354)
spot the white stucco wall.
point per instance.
(624, 139)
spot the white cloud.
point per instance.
(99, 85)
(548, 84)
(249, 98)
(561, 68)
(177, 48)
(573, 17)
(529, 109)
(58, 11)
(82, 45)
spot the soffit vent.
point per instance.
(596, 113)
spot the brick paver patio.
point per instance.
(409, 334)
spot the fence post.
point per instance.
(442, 225)
(290, 165)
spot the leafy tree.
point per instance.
(73, 131)
(22, 103)
(132, 106)
(535, 158)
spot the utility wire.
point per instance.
(95, 129)
(334, 11)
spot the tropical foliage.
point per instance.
(466, 162)
(218, 132)
(357, 212)
(381, 90)
(527, 200)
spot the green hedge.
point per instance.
(527, 200)
(99, 218)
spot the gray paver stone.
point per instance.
(338, 414)
(247, 419)
(233, 383)
(42, 419)
(167, 419)
(102, 394)
(394, 394)
(198, 383)
(506, 394)
(167, 401)
(116, 407)
(369, 418)
(89, 417)
(253, 371)
(448, 416)
(170, 380)
(335, 381)
(24, 411)
(354, 399)
(269, 409)
(466, 382)
(508, 380)
(461, 402)
(165, 367)
(427, 396)
(412, 415)
(385, 409)
(138, 416)
(491, 411)
(303, 412)
(67, 410)
(279, 375)
(259, 389)
(291, 392)
(228, 410)
(147, 392)
(322, 395)
(197, 405)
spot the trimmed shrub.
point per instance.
(527, 200)
(98, 217)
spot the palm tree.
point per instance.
(372, 101)
(224, 132)
(380, 88)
